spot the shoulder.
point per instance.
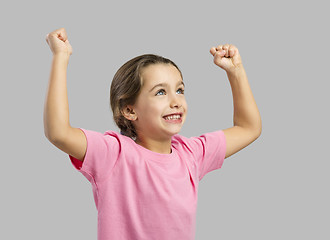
(109, 138)
(199, 141)
(110, 133)
(182, 143)
(179, 139)
(118, 137)
(209, 135)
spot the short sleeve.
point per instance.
(209, 150)
(101, 155)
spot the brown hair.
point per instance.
(126, 86)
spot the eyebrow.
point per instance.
(165, 84)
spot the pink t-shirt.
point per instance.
(144, 195)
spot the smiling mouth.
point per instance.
(173, 117)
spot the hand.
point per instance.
(227, 57)
(58, 42)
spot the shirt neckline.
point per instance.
(155, 156)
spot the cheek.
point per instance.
(184, 104)
(151, 108)
(155, 108)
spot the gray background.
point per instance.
(276, 188)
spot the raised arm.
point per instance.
(247, 121)
(56, 109)
(56, 112)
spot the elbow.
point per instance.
(50, 137)
(55, 136)
(254, 133)
(257, 131)
(47, 133)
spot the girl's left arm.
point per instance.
(247, 121)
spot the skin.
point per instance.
(247, 121)
(154, 133)
(56, 111)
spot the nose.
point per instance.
(175, 101)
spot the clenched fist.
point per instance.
(58, 42)
(227, 57)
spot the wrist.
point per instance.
(236, 75)
(236, 71)
(61, 55)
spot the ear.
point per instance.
(129, 113)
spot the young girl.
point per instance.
(145, 178)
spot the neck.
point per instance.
(163, 147)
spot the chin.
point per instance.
(175, 132)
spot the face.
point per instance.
(162, 94)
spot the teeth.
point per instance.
(172, 117)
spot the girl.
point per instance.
(145, 179)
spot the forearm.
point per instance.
(56, 109)
(246, 113)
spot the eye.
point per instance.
(182, 90)
(161, 90)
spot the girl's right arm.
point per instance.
(56, 110)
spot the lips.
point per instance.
(173, 118)
(179, 113)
